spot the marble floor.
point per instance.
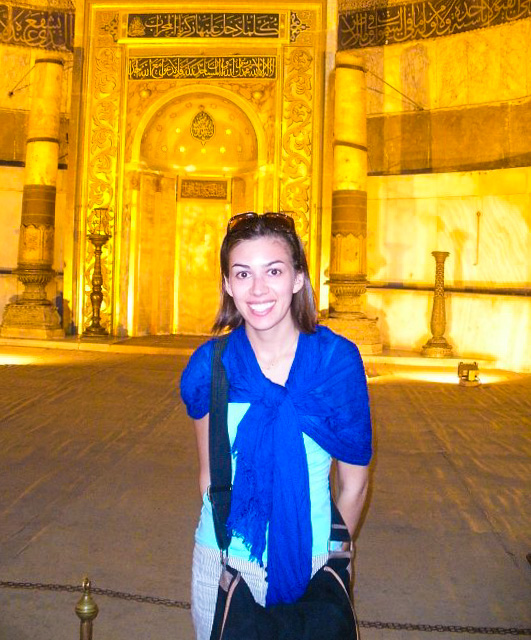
(98, 477)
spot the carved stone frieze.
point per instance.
(297, 125)
(107, 24)
(103, 151)
(301, 27)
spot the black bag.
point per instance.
(325, 610)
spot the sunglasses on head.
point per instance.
(276, 221)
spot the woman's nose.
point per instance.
(259, 286)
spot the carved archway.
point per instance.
(196, 159)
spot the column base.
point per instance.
(437, 348)
(95, 332)
(359, 329)
(27, 319)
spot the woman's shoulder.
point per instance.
(195, 380)
(329, 341)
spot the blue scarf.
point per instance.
(325, 397)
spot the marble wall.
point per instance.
(472, 68)
(456, 103)
(483, 219)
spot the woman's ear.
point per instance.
(228, 288)
(299, 281)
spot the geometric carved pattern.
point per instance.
(295, 196)
(103, 150)
(297, 25)
(387, 23)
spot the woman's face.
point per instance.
(262, 282)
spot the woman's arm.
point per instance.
(201, 434)
(352, 484)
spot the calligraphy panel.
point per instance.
(36, 27)
(387, 23)
(202, 67)
(203, 25)
(204, 189)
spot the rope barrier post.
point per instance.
(86, 611)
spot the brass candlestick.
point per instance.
(99, 236)
(438, 346)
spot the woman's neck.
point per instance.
(274, 351)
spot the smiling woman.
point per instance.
(261, 283)
(297, 399)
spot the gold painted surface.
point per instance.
(102, 149)
(156, 255)
(202, 229)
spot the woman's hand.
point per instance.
(352, 484)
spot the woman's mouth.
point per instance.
(261, 308)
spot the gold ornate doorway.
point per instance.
(198, 162)
(190, 117)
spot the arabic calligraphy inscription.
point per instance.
(201, 67)
(202, 127)
(204, 189)
(396, 23)
(203, 25)
(35, 27)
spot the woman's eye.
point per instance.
(275, 272)
(242, 275)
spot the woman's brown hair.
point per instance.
(251, 226)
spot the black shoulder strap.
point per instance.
(219, 447)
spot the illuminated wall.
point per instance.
(29, 31)
(449, 116)
(449, 155)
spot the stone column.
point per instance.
(348, 257)
(33, 315)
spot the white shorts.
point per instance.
(206, 571)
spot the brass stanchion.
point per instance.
(86, 611)
(438, 346)
(99, 236)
